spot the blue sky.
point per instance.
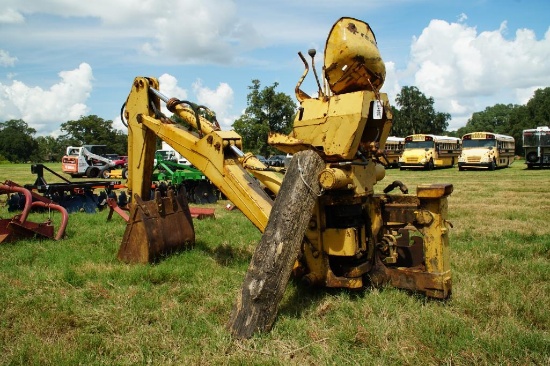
(60, 59)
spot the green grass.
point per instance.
(71, 302)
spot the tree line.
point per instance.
(271, 111)
(416, 115)
(18, 144)
(511, 119)
(413, 112)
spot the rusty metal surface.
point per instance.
(332, 280)
(27, 229)
(7, 189)
(19, 227)
(431, 284)
(436, 285)
(156, 228)
(410, 248)
(202, 212)
(4, 231)
(114, 207)
(399, 213)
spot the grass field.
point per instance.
(71, 302)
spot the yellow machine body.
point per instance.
(354, 237)
(352, 59)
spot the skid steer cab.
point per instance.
(349, 237)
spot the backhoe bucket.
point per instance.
(156, 228)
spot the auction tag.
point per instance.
(377, 110)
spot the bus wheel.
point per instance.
(532, 157)
(460, 168)
(493, 165)
(430, 165)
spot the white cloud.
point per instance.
(188, 31)
(207, 30)
(118, 125)
(523, 95)
(168, 85)
(107, 10)
(462, 69)
(6, 59)
(45, 110)
(219, 101)
(11, 16)
(391, 84)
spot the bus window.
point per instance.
(419, 144)
(467, 144)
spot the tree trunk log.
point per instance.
(271, 265)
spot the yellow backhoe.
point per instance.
(350, 236)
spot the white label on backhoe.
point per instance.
(377, 110)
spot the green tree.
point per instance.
(416, 114)
(119, 142)
(493, 119)
(538, 108)
(93, 130)
(531, 115)
(49, 149)
(440, 122)
(512, 119)
(519, 120)
(267, 111)
(17, 143)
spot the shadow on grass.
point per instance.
(301, 298)
(304, 298)
(225, 254)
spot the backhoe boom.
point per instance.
(214, 152)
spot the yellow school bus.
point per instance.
(393, 149)
(486, 150)
(430, 151)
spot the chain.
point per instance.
(321, 192)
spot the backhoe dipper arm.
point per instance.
(91, 156)
(216, 153)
